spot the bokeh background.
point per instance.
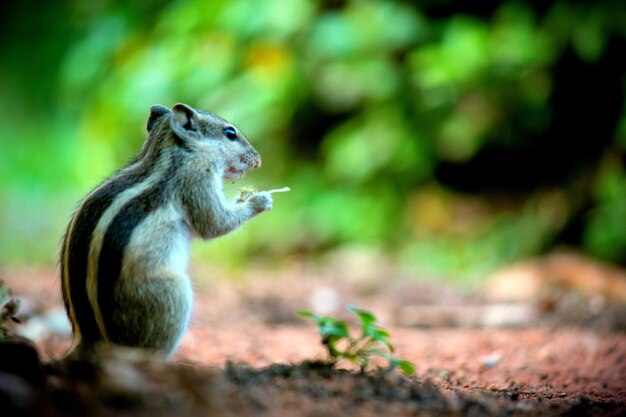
(453, 137)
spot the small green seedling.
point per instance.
(373, 341)
(8, 310)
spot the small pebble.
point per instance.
(491, 360)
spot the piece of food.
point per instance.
(280, 190)
(245, 193)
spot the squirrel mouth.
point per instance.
(233, 173)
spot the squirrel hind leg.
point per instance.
(151, 313)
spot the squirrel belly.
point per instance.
(151, 282)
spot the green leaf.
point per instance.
(365, 316)
(382, 336)
(306, 314)
(405, 366)
(332, 327)
(379, 332)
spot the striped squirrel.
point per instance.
(125, 252)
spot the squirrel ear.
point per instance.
(156, 111)
(182, 120)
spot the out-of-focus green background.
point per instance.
(453, 136)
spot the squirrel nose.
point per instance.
(256, 157)
(251, 159)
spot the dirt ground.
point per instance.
(559, 349)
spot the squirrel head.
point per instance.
(208, 137)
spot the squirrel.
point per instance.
(125, 251)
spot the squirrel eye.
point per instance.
(230, 133)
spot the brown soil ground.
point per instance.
(556, 352)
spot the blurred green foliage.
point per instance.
(356, 105)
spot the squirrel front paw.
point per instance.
(260, 201)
